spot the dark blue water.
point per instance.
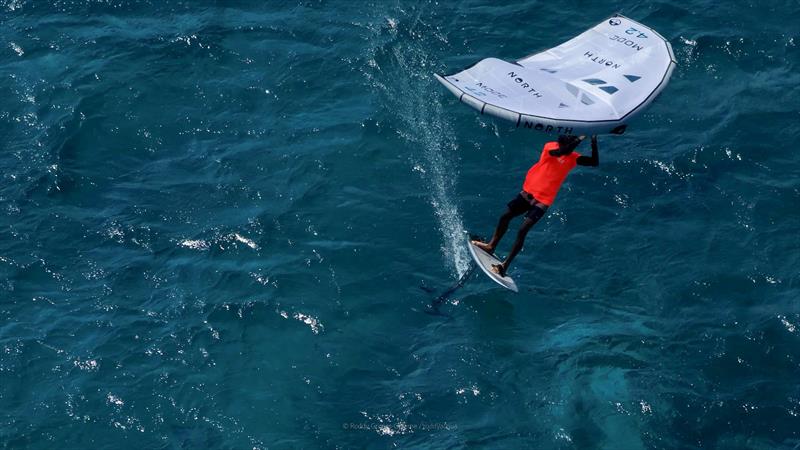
(217, 220)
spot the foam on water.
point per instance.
(203, 248)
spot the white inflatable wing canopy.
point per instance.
(592, 84)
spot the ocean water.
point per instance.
(224, 225)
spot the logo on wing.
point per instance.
(614, 22)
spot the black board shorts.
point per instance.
(521, 206)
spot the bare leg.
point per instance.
(502, 227)
(526, 226)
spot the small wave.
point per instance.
(194, 244)
(114, 400)
(17, 49)
(249, 242)
(311, 321)
(219, 240)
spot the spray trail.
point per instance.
(401, 68)
(432, 134)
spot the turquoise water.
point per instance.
(223, 226)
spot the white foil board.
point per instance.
(485, 261)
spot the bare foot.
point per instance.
(484, 246)
(499, 269)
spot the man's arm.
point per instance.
(593, 160)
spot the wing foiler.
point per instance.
(595, 83)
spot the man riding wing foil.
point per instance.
(541, 185)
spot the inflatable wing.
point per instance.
(592, 84)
